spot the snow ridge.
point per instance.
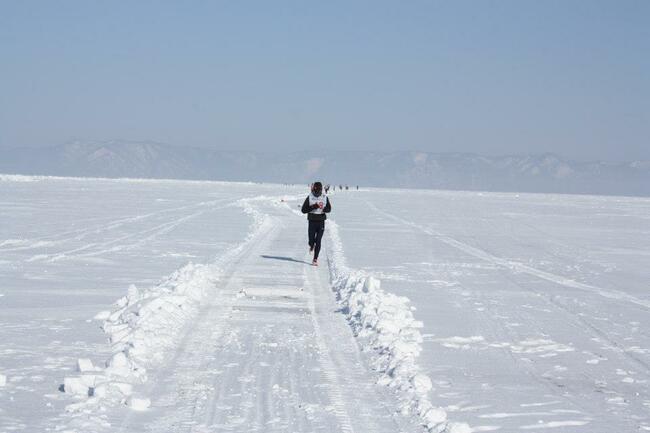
(386, 327)
(144, 325)
(18, 178)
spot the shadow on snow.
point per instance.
(286, 259)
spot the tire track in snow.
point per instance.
(504, 333)
(572, 318)
(329, 370)
(79, 234)
(516, 266)
(271, 357)
(180, 384)
(229, 402)
(150, 233)
(510, 266)
(349, 379)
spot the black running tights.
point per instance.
(316, 230)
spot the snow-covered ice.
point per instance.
(138, 403)
(74, 248)
(526, 300)
(137, 305)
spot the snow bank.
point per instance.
(385, 325)
(4, 177)
(18, 178)
(139, 403)
(142, 327)
(145, 324)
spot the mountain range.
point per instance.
(404, 169)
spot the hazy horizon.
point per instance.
(316, 151)
(324, 150)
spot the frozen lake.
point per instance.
(534, 310)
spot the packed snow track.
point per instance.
(253, 342)
(268, 353)
(430, 312)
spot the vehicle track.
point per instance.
(117, 244)
(613, 294)
(269, 353)
(81, 233)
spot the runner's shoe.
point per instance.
(315, 262)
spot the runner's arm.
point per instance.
(305, 206)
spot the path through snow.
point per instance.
(268, 351)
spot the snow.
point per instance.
(385, 325)
(159, 304)
(146, 323)
(18, 178)
(525, 299)
(76, 385)
(75, 247)
(138, 403)
(85, 365)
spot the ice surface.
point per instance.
(69, 248)
(385, 325)
(527, 300)
(76, 385)
(85, 365)
(138, 403)
(473, 311)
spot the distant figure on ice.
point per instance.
(316, 206)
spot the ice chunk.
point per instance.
(138, 403)
(85, 364)
(124, 388)
(371, 284)
(422, 383)
(435, 417)
(459, 427)
(99, 391)
(119, 360)
(3, 380)
(93, 379)
(102, 315)
(76, 386)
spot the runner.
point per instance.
(316, 206)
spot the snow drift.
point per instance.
(386, 327)
(142, 328)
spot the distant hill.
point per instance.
(524, 173)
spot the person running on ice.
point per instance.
(316, 206)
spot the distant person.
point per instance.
(316, 206)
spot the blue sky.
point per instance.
(491, 77)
